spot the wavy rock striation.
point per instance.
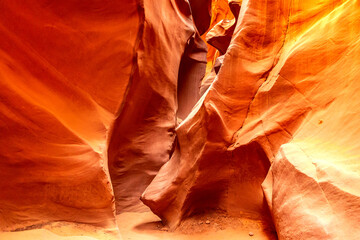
(96, 96)
(144, 129)
(285, 96)
(64, 73)
(88, 105)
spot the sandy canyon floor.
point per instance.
(147, 226)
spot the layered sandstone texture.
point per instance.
(143, 132)
(65, 67)
(88, 104)
(248, 108)
(284, 104)
(220, 11)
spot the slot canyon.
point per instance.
(180, 119)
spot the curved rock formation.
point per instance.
(202, 172)
(96, 96)
(219, 10)
(314, 181)
(191, 72)
(144, 129)
(289, 75)
(64, 72)
(81, 84)
(220, 35)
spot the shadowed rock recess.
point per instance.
(198, 110)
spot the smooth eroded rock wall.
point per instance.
(64, 70)
(288, 76)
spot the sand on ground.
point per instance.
(147, 226)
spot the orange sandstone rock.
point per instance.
(86, 87)
(203, 172)
(95, 97)
(220, 35)
(314, 180)
(219, 10)
(287, 88)
(64, 70)
(144, 130)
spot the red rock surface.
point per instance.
(144, 129)
(96, 96)
(86, 87)
(203, 172)
(220, 10)
(64, 71)
(219, 36)
(314, 180)
(289, 75)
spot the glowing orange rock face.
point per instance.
(314, 180)
(90, 92)
(82, 83)
(204, 173)
(144, 130)
(220, 10)
(286, 95)
(64, 70)
(224, 19)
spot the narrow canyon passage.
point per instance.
(179, 119)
